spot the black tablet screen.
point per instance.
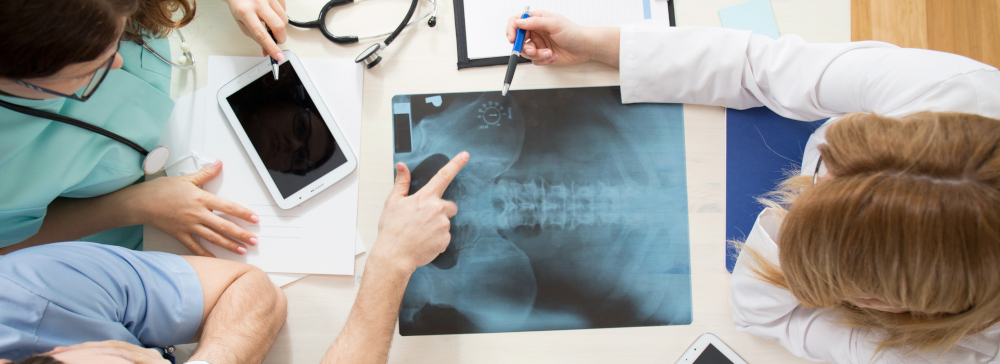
(286, 130)
(711, 355)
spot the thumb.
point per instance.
(206, 174)
(402, 186)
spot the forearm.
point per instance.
(68, 219)
(244, 322)
(605, 44)
(369, 329)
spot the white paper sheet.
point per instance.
(315, 237)
(486, 20)
(284, 279)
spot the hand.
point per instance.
(249, 13)
(176, 206)
(105, 351)
(414, 229)
(550, 39)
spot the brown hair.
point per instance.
(909, 214)
(45, 36)
(39, 359)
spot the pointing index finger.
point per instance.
(445, 175)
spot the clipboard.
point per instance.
(462, 39)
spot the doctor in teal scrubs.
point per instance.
(59, 182)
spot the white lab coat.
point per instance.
(805, 81)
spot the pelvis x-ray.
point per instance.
(572, 211)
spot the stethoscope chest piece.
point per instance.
(370, 56)
(156, 159)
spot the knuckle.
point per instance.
(261, 35)
(230, 229)
(246, 12)
(446, 174)
(246, 8)
(193, 215)
(201, 198)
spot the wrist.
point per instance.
(603, 44)
(129, 201)
(384, 263)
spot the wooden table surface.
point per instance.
(967, 27)
(422, 60)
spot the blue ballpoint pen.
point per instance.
(515, 54)
(274, 62)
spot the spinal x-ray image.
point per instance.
(572, 211)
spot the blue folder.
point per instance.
(761, 148)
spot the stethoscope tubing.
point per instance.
(77, 123)
(187, 53)
(94, 128)
(348, 39)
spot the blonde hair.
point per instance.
(908, 214)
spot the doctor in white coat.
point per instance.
(893, 290)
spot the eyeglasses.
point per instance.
(95, 81)
(816, 172)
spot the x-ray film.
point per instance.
(572, 211)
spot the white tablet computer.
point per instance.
(709, 349)
(285, 128)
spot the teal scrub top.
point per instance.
(41, 159)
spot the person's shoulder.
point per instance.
(50, 260)
(143, 62)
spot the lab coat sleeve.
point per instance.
(796, 79)
(774, 313)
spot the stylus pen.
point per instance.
(274, 62)
(515, 54)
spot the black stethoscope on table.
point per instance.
(369, 56)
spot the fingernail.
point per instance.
(254, 218)
(280, 57)
(241, 250)
(253, 241)
(465, 155)
(399, 167)
(217, 163)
